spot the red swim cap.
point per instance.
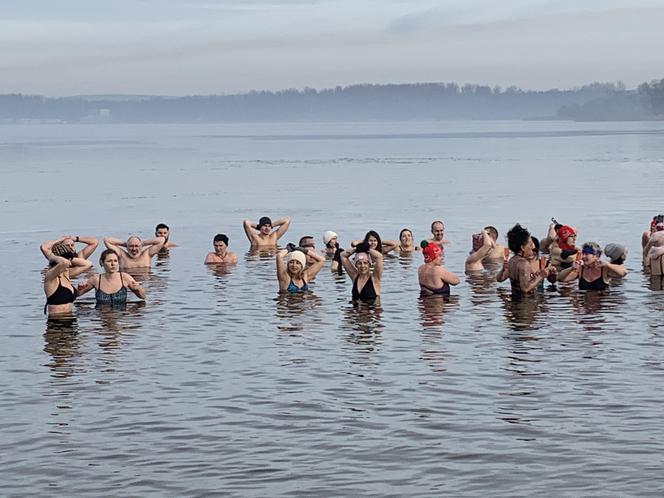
(431, 252)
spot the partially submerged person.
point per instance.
(292, 272)
(112, 285)
(374, 241)
(162, 230)
(307, 242)
(656, 225)
(591, 271)
(655, 254)
(406, 245)
(434, 279)
(617, 255)
(498, 250)
(563, 250)
(331, 241)
(64, 265)
(438, 234)
(523, 279)
(135, 253)
(69, 243)
(265, 233)
(536, 263)
(366, 285)
(482, 246)
(221, 253)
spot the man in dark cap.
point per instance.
(265, 233)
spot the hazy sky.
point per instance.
(177, 47)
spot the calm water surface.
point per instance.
(218, 386)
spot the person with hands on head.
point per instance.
(374, 241)
(138, 254)
(292, 272)
(366, 285)
(265, 233)
(591, 271)
(64, 265)
(221, 254)
(483, 245)
(433, 278)
(523, 279)
(111, 286)
(69, 242)
(406, 245)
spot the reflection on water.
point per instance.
(296, 312)
(362, 324)
(62, 343)
(432, 308)
(523, 313)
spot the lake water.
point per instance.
(218, 386)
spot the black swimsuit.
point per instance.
(62, 295)
(367, 294)
(442, 291)
(597, 284)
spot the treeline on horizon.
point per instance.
(419, 101)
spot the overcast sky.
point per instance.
(179, 47)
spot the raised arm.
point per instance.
(615, 271)
(61, 265)
(78, 266)
(90, 246)
(250, 230)
(545, 243)
(134, 286)
(378, 264)
(482, 252)
(47, 246)
(282, 274)
(156, 246)
(313, 270)
(282, 224)
(504, 272)
(114, 244)
(346, 263)
(389, 245)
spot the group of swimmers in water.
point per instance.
(556, 258)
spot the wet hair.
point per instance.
(492, 231)
(106, 253)
(437, 221)
(160, 226)
(517, 237)
(61, 250)
(405, 230)
(221, 237)
(373, 233)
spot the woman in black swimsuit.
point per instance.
(366, 285)
(433, 278)
(111, 286)
(63, 266)
(593, 274)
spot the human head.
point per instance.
(134, 245)
(590, 252)
(362, 262)
(616, 253)
(430, 251)
(519, 241)
(63, 250)
(307, 242)
(330, 238)
(109, 260)
(536, 245)
(566, 236)
(373, 239)
(406, 237)
(438, 230)
(264, 225)
(220, 243)
(69, 244)
(162, 230)
(492, 231)
(295, 262)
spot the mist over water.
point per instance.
(218, 385)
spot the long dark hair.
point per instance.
(379, 246)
